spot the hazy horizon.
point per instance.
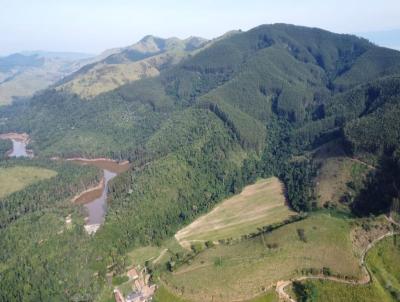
(94, 26)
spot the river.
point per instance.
(19, 141)
(19, 149)
(95, 199)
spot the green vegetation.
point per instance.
(340, 178)
(16, 178)
(382, 261)
(48, 194)
(163, 295)
(118, 280)
(259, 205)
(5, 146)
(252, 104)
(270, 297)
(34, 237)
(143, 59)
(251, 264)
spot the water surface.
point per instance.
(19, 149)
(97, 208)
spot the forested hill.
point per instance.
(281, 70)
(248, 104)
(145, 58)
(305, 85)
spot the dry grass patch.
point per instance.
(337, 171)
(243, 270)
(16, 178)
(260, 204)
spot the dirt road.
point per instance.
(281, 285)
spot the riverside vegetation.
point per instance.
(250, 104)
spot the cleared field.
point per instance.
(16, 178)
(383, 261)
(337, 171)
(159, 254)
(243, 270)
(260, 204)
(163, 295)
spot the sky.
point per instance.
(92, 26)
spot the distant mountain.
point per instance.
(23, 74)
(72, 56)
(199, 120)
(124, 65)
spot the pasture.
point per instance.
(16, 178)
(258, 205)
(247, 269)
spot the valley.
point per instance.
(258, 166)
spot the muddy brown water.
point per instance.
(95, 199)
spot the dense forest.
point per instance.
(250, 104)
(41, 256)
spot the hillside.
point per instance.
(141, 60)
(278, 100)
(23, 74)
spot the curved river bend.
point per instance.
(95, 199)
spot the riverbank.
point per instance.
(19, 137)
(19, 141)
(103, 163)
(90, 194)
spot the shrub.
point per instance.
(302, 235)
(118, 280)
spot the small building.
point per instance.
(134, 297)
(118, 296)
(132, 274)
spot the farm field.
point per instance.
(246, 269)
(16, 178)
(382, 261)
(258, 205)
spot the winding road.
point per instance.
(281, 285)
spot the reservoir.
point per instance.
(95, 199)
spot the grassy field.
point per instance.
(260, 204)
(140, 255)
(16, 178)
(163, 295)
(337, 171)
(246, 269)
(383, 261)
(329, 291)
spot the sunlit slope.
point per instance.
(16, 178)
(258, 205)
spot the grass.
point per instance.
(269, 297)
(383, 262)
(245, 269)
(329, 291)
(336, 172)
(260, 204)
(16, 178)
(126, 288)
(163, 295)
(140, 255)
